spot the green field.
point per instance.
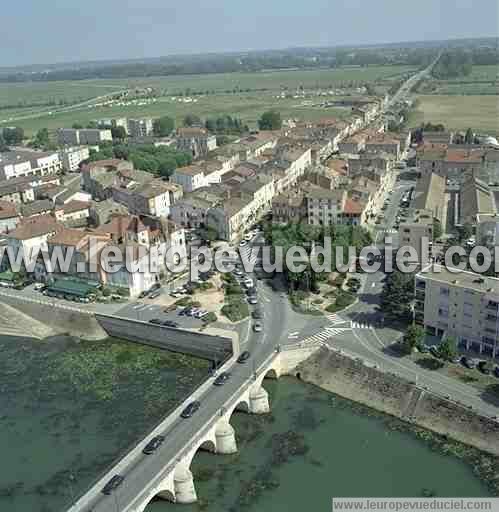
(483, 80)
(459, 112)
(220, 100)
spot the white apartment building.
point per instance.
(71, 158)
(15, 164)
(325, 207)
(138, 128)
(460, 304)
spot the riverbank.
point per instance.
(400, 398)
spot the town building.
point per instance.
(9, 216)
(139, 128)
(72, 157)
(196, 141)
(16, 164)
(463, 305)
(84, 136)
(475, 198)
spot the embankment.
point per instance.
(43, 319)
(392, 394)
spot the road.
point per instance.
(281, 326)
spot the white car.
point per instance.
(201, 314)
(39, 286)
(249, 237)
(248, 283)
(243, 243)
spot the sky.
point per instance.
(50, 31)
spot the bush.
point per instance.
(210, 317)
(106, 292)
(236, 310)
(205, 286)
(345, 299)
(233, 290)
(183, 302)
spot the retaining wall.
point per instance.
(392, 394)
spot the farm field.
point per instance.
(483, 80)
(459, 112)
(248, 107)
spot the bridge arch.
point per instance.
(166, 494)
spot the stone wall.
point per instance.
(59, 320)
(392, 394)
(190, 342)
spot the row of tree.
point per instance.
(453, 64)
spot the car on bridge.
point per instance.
(113, 484)
(153, 445)
(222, 379)
(155, 321)
(190, 409)
(169, 323)
(244, 357)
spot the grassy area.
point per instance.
(247, 104)
(459, 112)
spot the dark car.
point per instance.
(169, 323)
(467, 362)
(143, 295)
(155, 294)
(185, 311)
(483, 366)
(257, 314)
(243, 357)
(190, 409)
(153, 445)
(496, 371)
(115, 482)
(434, 351)
(251, 291)
(155, 321)
(222, 379)
(155, 286)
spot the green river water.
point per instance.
(68, 409)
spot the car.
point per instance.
(113, 484)
(434, 351)
(186, 311)
(192, 311)
(155, 286)
(201, 313)
(190, 409)
(258, 327)
(468, 362)
(251, 291)
(257, 314)
(222, 379)
(155, 294)
(143, 294)
(243, 357)
(482, 366)
(169, 323)
(155, 321)
(248, 283)
(248, 237)
(252, 300)
(496, 371)
(424, 349)
(39, 286)
(153, 445)
(243, 243)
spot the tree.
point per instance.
(270, 120)
(163, 126)
(469, 138)
(77, 126)
(12, 136)
(413, 338)
(41, 139)
(192, 120)
(397, 295)
(448, 349)
(3, 144)
(437, 229)
(118, 133)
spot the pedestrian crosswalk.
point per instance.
(336, 319)
(389, 231)
(249, 254)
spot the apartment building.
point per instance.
(196, 141)
(353, 144)
(9, 216)
(460, 304)
(16, 164)
(475, 198)
(139, 128)
(383, 143)
(107, 123)
(190, 178)
(454, 163)
(325, 207)
(429, 205)
(98, 177)
(84, 136)
(71, 158)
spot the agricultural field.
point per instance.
(459, 112)
(243, 94)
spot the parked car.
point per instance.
(143, 294)
(434, 351)
(257, 314)
(190, 409)
(201, 313)
(155, 321)
(155, 286)
(114, 483)
(468, 362)
(496, 371)
(153, 445)
(483, 366)
(169, 323)
(243, 357)
(258, 327)
(40, 286)
(252, 300)
(243, 243)
(155, 294)
(222, 379)
(186, 311)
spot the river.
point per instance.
(339, 451)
